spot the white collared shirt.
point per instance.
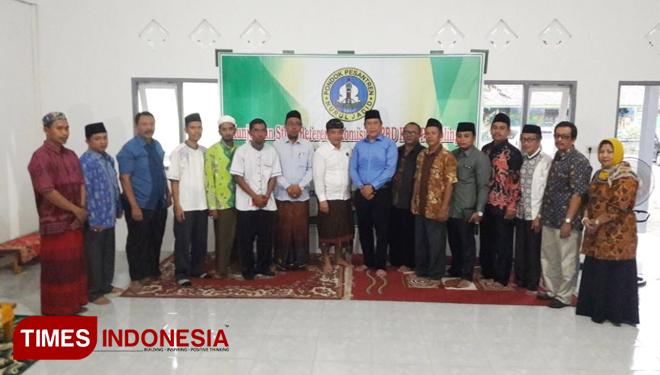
(331, 175)
(256, 167)
(187, 167)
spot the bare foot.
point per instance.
(404, 269)
(343, 262)
(327, 269)
(135, 286)
(464, 284)
(101, 301)
(497, 286)
(381, 273)
(361, 268)
(147, 280)
(116, 290)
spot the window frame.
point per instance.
(618, 98)
(572, 85)
(178, 82)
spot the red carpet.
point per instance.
(398, 289)
(308, 284)
(343, 284)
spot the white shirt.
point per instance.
(331, 176)
(296, 161)
(187, 167)
(256, 167)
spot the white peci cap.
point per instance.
(228, 119)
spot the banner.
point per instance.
(404, 88)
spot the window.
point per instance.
(631, 120)
(170, 100)
(541, 103)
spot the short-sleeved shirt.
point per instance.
(296, 159)
(506, 161)
(220, 184)
(435, 172)
(256, 167)
(55, 168)
(187, 167)
(101, 188)
(471, 191)
(404, 178)
(569, 175)
(144, 163)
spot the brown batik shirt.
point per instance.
(435, 171)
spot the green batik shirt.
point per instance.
(220, 185)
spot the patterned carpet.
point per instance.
(9, 366)
(307, 284)
(342, 284)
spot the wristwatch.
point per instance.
(480, 214)
(568, 220)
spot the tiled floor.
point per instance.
(355, 337)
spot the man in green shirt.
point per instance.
(467, 203)
(221, 193)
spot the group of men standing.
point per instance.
(504, 191)
(413, 198)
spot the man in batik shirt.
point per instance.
(104, 207)
(221, 193)
(496, 255)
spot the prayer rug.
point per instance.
(9, 365)
(302, 284)
(342, 284)
(397, 286)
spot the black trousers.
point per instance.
(190, 244)
(527, 263)
(496, 255)
(374, 214)
(144, 241)
(430, 247)
(259, 224)
(402, 237)
(463, 248)
(100, 253)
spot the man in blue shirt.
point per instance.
(372, 167)
(104, 207)
(145, 199)
(292, 196)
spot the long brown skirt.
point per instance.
(337, 225)
(292, 234)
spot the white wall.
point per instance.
(90, 49)
(21, 133)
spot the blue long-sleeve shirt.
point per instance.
(373, 163)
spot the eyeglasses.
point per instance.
(563, 137)
(528, 140)
(408, 132)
